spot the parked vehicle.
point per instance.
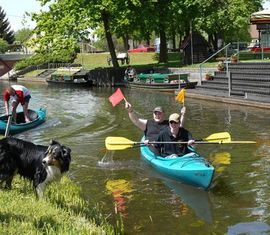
(260, 49)
(142, 48)
(254, 43)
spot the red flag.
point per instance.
(116, 97)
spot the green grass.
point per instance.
(35, 72)
(137, 60)
(62, 211)
(97, 60)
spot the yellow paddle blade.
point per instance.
(222, 136)
(118, 143)
(240, 142)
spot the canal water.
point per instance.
(120, 182)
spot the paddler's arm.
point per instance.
(182, 118)
(7, 107)
(140, 123)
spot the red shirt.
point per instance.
(20, 93)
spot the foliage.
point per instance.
(220, 66)
(5, 32)
(209, 76)
(227, 20)
(23, 35)
(68, 22)
(57, 31)
(3, 46)
(102, 44)
(63, 56)
(62, 211)
(233, 57)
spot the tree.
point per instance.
(226, 19)
(23, 35)
(67, 21)
(5, 31)
(3, 46)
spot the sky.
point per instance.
(15, 11)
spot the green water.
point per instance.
(120, 181)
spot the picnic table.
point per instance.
(123, 57)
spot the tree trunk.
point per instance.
(125, 40)
(173, 41)
(108, 35)
(163, 55)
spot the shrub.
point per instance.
(3, 46)
(64, 56)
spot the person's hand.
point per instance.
(191, 142)
(128, 107)
(146, 142)
(183, 110)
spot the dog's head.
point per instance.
(57, 155)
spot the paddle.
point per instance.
(120, 143)
(8, 125)
(221, 136)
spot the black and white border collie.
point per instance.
(39, 163)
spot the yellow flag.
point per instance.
(181, 96)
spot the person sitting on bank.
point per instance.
(174, 133)
(17, 94)
(151, 127)
(130, 73)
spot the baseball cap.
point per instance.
(175, 117)
(158, 109)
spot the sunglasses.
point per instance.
(173, 122)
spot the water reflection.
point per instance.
(193, 197)
(120, 190)
(220, 160)
(255, 227)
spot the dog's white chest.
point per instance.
(53, 174)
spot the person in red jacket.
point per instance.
(17, 94)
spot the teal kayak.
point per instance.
(190, 169)
(37, 117)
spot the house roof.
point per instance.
(260, 17)
(197, 39)
(13, 57)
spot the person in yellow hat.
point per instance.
(174, 133)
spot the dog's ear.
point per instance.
(53, 142)
(66, 158)
(66, 150)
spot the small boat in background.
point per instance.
(190, 169)
(162, 82)
(70, 76)
(37, 118)
(74, 82)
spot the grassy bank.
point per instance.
(62, 211)
(95, 60)
(149, 59)
(138, 60)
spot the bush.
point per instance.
(64, 56)
(3, 46)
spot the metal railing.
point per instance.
(220, 50)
